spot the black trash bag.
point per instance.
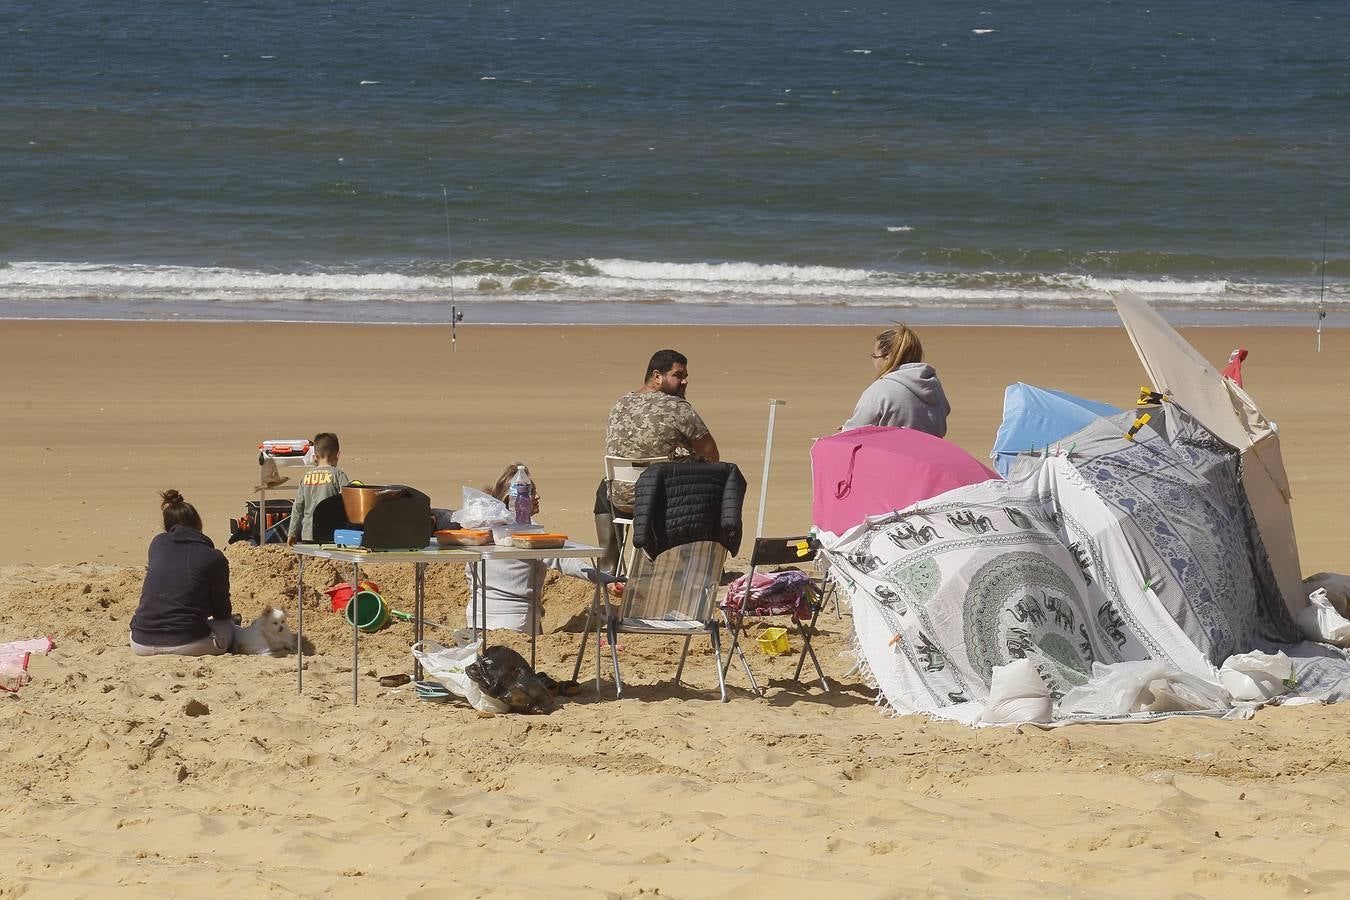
(504, 674)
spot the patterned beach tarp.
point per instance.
(1163, 522)
(967, 581)
(1117, 550)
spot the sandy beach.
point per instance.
(185, 777)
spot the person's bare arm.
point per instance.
(706, 447)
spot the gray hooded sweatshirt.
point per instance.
(908, 397)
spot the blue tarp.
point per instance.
(1034, 417)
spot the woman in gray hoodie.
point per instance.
(907, 392)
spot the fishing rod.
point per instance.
(1322, 291)
(455, 315)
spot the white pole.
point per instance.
(768, 456)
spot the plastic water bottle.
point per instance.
(522, 497)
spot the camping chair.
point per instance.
(624, 470)
(673, 594)
(777, 551)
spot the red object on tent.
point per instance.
(868, 471)
(1233, 370)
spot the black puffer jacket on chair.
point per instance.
(683, 502)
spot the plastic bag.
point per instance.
(481, 510)
(1256, 675)
(1336, 590)
(1142, 686)
(445, 665)
(1016, 694)
(1321, 621)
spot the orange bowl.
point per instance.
(537, 541)
(463, 537)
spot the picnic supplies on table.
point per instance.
(463, 537)
(482, 510)
(538, 541)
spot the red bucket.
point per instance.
(339, 595)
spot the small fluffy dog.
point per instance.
(267, 635)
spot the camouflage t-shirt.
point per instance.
(648, 424)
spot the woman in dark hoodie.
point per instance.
(185, 601)
(906, 392)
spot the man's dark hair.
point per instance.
(326, 445)
(663, 361)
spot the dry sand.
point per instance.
(206, 777)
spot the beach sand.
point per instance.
(207, 777)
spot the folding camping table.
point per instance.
(477, 556)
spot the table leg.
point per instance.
(419, 608)
(356, 632)
(482, 603)
(300, 624)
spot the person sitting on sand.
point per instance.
(515, 586)
(906, 392)
(321, 482)
(185, 600)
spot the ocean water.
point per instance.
(599, 160)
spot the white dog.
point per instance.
(267, 635)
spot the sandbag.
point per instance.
(1337, 588)
(1141, 686)
(1257, 676)
(1322, 621)
(1016, 694)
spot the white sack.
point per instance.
(1142, 686)
(1257, 676)
(1321, 621)
(1016, 694)
(1337, 588)
(445, 665)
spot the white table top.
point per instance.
(437, 553)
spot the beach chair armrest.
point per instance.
(599, 576)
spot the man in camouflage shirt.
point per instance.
(655, 420)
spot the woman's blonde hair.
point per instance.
(503, 485)
(900, 345)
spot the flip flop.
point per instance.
(394, 680)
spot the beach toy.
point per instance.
(773, 641)
(369, 609)
(340, 594)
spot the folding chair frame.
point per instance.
(770, 551)
(631, 468)
(612, 620)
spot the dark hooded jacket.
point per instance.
(680, 503)
(187, 581)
